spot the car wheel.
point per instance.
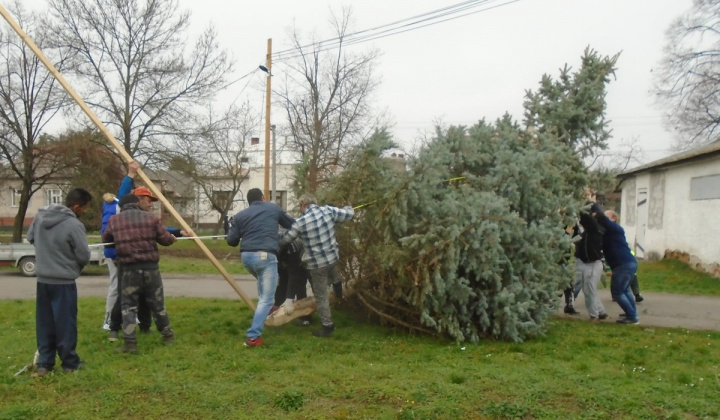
(27, 266)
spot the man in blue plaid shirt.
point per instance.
(316, 228)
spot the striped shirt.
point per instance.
(316, 228)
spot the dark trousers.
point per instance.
(143, 313)
(292, 279)
(635, 285)
(56, 324)
(142, 285)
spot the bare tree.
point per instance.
(215, 158)
(133, 68)
(619, 159)
(688, 78)
(326, 97)
(29, 98)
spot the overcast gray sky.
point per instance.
(472, 67)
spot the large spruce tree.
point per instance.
(469, 239)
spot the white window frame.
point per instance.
(15, 197)
(54, 196)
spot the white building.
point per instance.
(204, 215)
(670, 208)
(187, 199)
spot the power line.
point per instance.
(239, 79)
(434, 17)
(293, 50)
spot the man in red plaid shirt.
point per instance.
(135, 233)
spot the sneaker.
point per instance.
(627, 321)
(602, 316)
(254, 342)
(41, 372)
(325, 331)
(570, 310)
(273, 310)
(168, 339)
(594, 319)
(639, 298)
(113, 336)
(623, 315)
(106, 326)
(80, 366)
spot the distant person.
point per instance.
(316, 228)
(61, 252)
(256, 230)
(588, 258)
(135, 233)
(622, 263)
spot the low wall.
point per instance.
(712, 269)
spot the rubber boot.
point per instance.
(129, 347)
(168, 336)
(325, 331)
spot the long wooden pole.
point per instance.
(121, 150)
(268, 91)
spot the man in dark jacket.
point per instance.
(257, 226)
(623, 265)
(135, 233)
(588, 258)
(61, 252)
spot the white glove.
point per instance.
(289, 306)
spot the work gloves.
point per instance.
(289, 306)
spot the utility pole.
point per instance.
(274, 160)
(268, 64)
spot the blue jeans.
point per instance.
(56, 324)
(620, 288)
(264, 267)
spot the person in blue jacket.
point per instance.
(255, 229)
(111, 208)
(623, 264)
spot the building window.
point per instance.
(705, 187)
(15, 197)
(280, 198)
(54, 196)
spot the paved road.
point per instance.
(658, 309)
(15, 286)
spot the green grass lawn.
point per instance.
(673, 276)
(577, 371)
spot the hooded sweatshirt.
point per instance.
(61, 247)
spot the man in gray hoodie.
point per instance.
(61, 252)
